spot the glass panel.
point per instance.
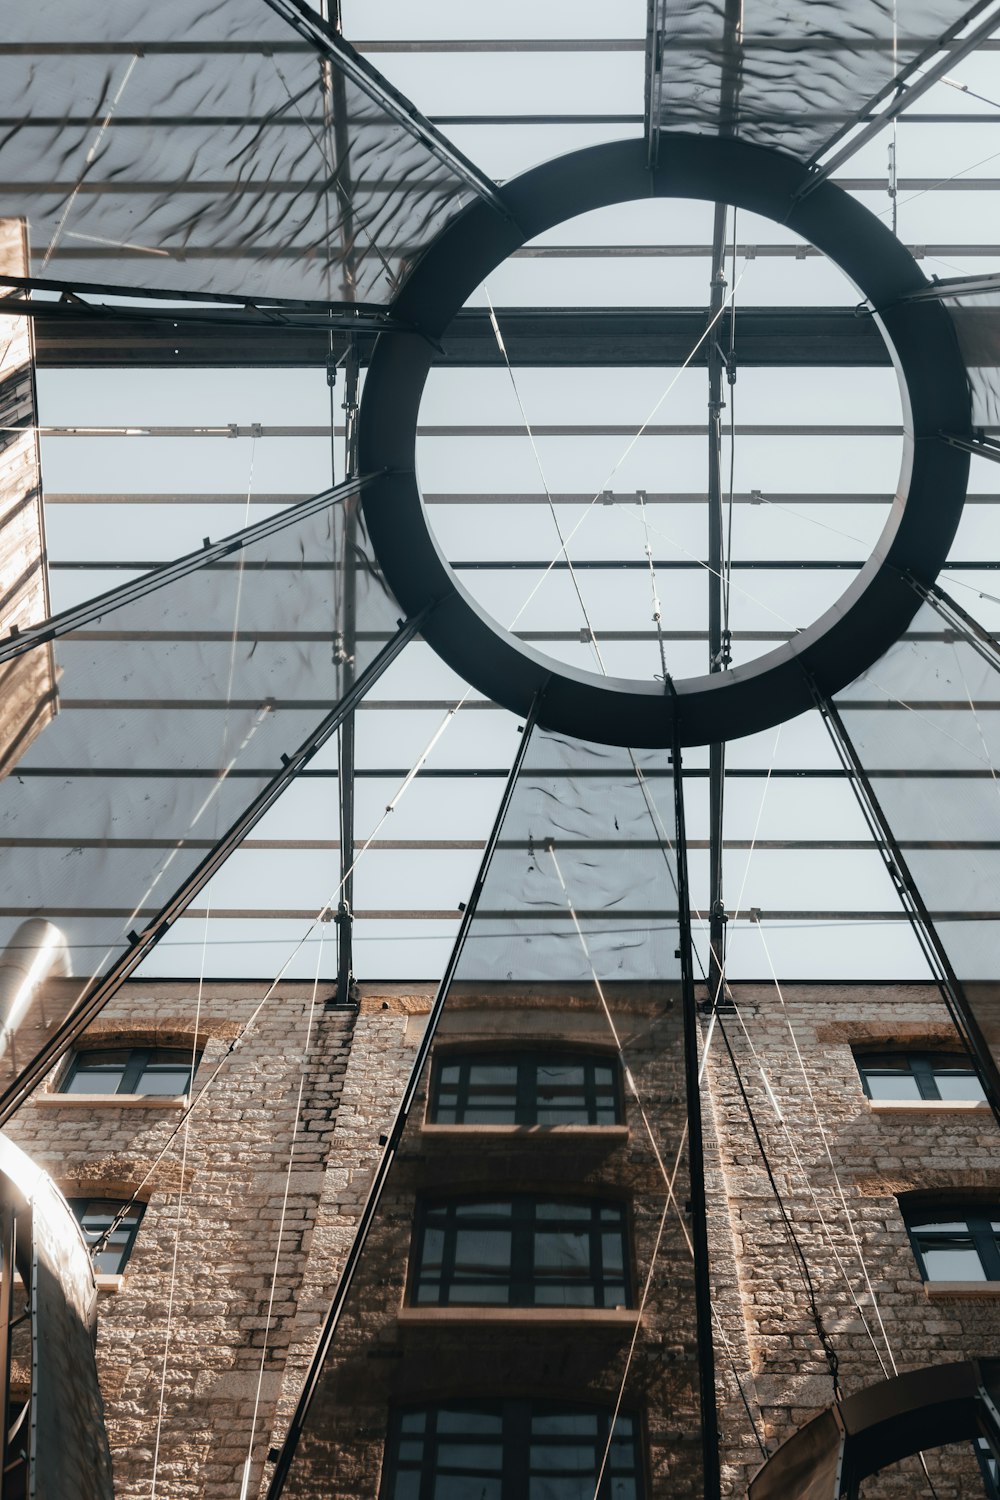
(235, 163)
(92, 1076)
(892, 1085)
(952, 1261)
(847, 53)
(959, 1086)
(925, 724)
(165, 1081)
(576, 927)
(201, 687)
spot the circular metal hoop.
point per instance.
(837, 647)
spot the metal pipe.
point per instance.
(36, 953)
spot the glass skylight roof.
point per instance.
(170, 456)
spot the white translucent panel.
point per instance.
(834, 949)
(579, 395)
(147, 465)
(517, 82)
(892, 1086)
(156, 397)
(957, 1087)
(519, 18)
(953, 1265)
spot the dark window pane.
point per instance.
(130, 1070)
(110, 1247)
(515, 1452)
(521, 1253)
(919, 1075)
(955, 1085)
(953, 1248)
(90, 1080)
(524, 1089)
(892, 1086)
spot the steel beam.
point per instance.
(924, 73)
(718, 643)
(348, 652)
(104, 987)
(921, 920)
(619, 336)
(330, 46)
(696, 1149)
(72, 620)
(395, 1134)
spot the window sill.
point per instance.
(927, 1106)
(607, 1317)
(607, 1134)
(107, 1281)
(116, 1101)
(943, 1289)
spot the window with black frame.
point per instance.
(520, 1251)
(109, 1226)
(955, 1242)
(164, 1071)
(988, 1467)
(919, 1075)
(525, 1088)
(509, 1450)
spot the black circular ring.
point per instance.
(837, 647)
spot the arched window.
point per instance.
(954, 1241)
(162, 1071)
(919, 1075)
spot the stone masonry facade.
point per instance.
(206, 1339)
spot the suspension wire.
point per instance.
(827, 1152)
(975, 716)
(668, 1178)
(963, 88)
(893, 179)
(335, 170)
(657, 609)
(244, 1488)
(550, 849)
(780, 1113)
(563, 551)
(95, 146)
(177, 1218)
(830, 1354)
(782, 1121)
(198, 1005)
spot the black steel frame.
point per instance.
(519, 1277)
(877, 606)
(914, 907)
(101, 989)
(395, 1135)
(696, 1150)
(210, 553)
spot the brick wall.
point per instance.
(234, 1168)
(875, 1155)
(234, 1171)
(388, 1354)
